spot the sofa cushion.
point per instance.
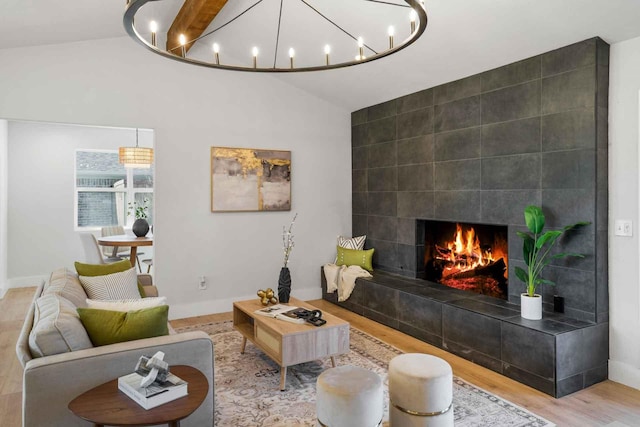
(109, 327)
(92, 270)
(127, 304)
(65, 283)
(122, 285)
(56, 327)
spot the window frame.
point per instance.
(128, 190)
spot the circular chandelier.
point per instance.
(275, 35)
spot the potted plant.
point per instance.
(140, 226)
(537, 255)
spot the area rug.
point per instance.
(247, 386)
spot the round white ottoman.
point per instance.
(420, 391)
(349, 396)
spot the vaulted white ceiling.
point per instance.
(464, 37)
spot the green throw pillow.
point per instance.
(108, 327)
(93, 270)
(355, 257)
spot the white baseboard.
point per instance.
(624, 374)
(200, 308)
(21, 282)
(25, 282)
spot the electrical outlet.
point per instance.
(203, 283)
(624, 227)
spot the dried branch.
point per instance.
(287, 240)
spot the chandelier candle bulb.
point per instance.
(183, 41)
(254, 52)
(292, 53)
(360, 48)
(391, 31)
(412, 18)
(216, 53)
(153, 26)
(327, 51)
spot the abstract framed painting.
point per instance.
(248, 179)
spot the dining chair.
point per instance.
(92, 252)
(118, 251)
(149, 263)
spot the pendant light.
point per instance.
(136, 157)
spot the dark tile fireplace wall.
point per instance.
(480, 150)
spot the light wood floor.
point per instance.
(600, 405)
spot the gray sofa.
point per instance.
(51, 381)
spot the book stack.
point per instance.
(156, 394)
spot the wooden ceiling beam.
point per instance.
(194, 17)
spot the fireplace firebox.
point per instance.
(471, 257)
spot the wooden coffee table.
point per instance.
(106, 405)
(290, 343)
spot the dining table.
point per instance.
(127, 240)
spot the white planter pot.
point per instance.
(531, 307)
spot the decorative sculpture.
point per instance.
(267, 296)
(152, 369)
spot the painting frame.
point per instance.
(250, 179)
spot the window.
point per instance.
(104, 188)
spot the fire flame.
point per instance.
(465, 252)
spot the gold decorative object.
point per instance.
(267, 296)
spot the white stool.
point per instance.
(420, 391)
(349, 396)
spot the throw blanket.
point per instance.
(343, 279)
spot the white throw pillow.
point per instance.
(356, 243)
(116, 286)
(127, 304)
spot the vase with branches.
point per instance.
(284, 280)
(140, 211)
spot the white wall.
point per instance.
(4, 153)
(116, 83)
(624, 274)
(41, 196)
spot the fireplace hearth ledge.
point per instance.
(557, 355)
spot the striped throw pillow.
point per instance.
(355, 243)
(116, 286)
